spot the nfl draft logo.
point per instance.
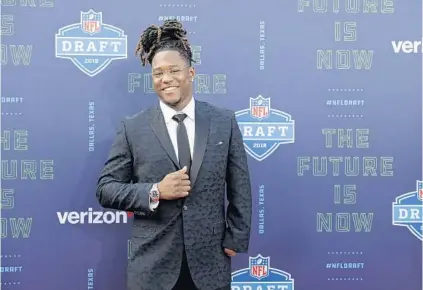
(259, 267)
(407, 211)
(263, 128)
(90, 22)
(259, 108)
(91, 45)
(259, 275)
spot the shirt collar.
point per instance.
(168, 112)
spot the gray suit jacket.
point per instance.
(142, 154)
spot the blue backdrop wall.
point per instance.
(328, 95)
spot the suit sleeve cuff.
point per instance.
(237, 245)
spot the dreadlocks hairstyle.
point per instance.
(169, 36)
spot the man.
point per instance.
(171, 165)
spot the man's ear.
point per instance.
(192, 73)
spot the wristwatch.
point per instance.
(154, 193)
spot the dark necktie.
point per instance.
(184, 153)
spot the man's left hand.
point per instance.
(230, 253)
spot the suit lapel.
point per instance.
(159, 128)
(202, 124)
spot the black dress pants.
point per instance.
(185, 281)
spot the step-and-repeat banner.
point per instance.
(328, 95)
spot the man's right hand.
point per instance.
(175, 185)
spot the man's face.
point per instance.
(172, 78)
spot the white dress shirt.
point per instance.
(172, 126)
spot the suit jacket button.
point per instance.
(185, 207)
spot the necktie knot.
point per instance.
(179, 117)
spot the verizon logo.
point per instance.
(93, 217)
(407, 46)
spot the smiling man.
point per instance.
(174, 165)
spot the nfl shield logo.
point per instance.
(259, 267)
(259, 107)
(91, 22)
(420, 190)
